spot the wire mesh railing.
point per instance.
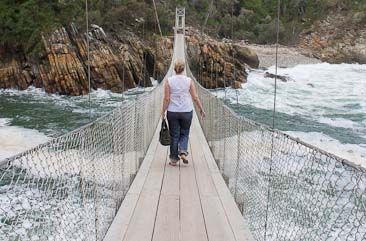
(71, 187)
(297, 192)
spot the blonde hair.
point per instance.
(179, 66)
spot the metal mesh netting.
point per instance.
(71, 187)
(311, 194)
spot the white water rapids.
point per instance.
(322, 104)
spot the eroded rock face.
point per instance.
(120, 61)
(117, 63)
(337, 39)
(13, 75)
(218, 64)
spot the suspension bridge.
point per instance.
(110, 180)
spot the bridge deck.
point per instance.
(187, 202)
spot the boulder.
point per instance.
(246, 55)
(218, 64)
(273, 76)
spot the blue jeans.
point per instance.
(179, 125)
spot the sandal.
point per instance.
(173, 163)
(184, 158)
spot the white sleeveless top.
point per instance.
(180, 97)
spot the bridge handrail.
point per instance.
(271, 174)
(78, 129)
(71, 187)
(268, 128)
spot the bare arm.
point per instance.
(166, 99)
(196, 99)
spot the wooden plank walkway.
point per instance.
(188, 202)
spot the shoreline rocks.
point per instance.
(121, 61)
(217, 64)
(337, 38)
(274, 76)
(117, 62)
(287, 56)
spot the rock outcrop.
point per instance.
(120, 61)
(117, 62)
(337, 39)
(280, 77)
(218, 64)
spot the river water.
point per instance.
(32, 117)
(322, 104)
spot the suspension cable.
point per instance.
(216, 80)
(232, 20)
(88, 54)
(276, 63)
(232, 45)
(207, 16)
(123, 82)
(273, 116)
(225, 79)
(157, 18)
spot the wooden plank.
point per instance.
(203, 176)
(212, 166)
(120, 223)
(143, 219)
(192, 225)
(154, 181)
(142, 222)
(217, 226)
(119, 226)
(167, 220)
(140, 178)
(171, 180)
(239, 226)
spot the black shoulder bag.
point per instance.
(164, 138)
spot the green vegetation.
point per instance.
(23, 21)
(255, 20)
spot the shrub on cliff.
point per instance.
(23, 22)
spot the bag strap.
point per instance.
(164, 125)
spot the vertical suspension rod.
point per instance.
(273, 118)
(88, 54)
(157, 18)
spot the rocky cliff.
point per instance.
(217, 64)
(338, 38)
(119, 61)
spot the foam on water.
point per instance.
(4, 122)
(14, 140)
(327, 95)
(312, 90)
(99, 97)
(340, 122)
(32, 116)
(352, 152)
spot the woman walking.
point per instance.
(179, 91)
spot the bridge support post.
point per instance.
(180, 21)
